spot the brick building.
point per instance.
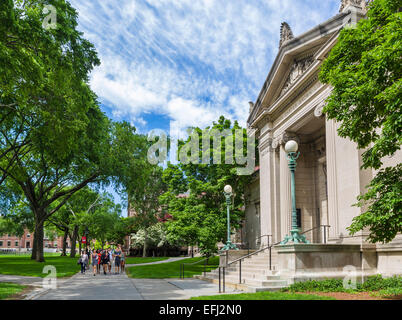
(25, 243)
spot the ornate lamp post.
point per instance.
(228, 194)
(291, 148)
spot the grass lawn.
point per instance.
(9, 289)
(24, 266)
(264, 296)
(138, 260)
(170, 269)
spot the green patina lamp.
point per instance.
(291, 149)
(228, 195)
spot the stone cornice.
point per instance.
(290, 47)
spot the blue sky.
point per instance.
(184, 63)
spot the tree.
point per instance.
(102, 219)
(69, 218)
(54, 139)
(199, 217)
(144, 193)
(365, 71)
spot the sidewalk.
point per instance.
(89, 287)
(157, 262)
(117, 287)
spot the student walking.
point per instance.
(94, 261)
(110, 252)
(117, 259)
(105, 260)
(84, 262)
(99, 260)
(122, 261)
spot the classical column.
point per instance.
(285, 192)
(266, 174)
(330, 135)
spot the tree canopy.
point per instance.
(195, 196)
(364, 69)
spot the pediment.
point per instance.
(297, 56)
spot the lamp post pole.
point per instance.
(291, 148)
(228, 195)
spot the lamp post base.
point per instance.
(295, 237)
(229, 246)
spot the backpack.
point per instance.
(79, 261)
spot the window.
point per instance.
(299, 218)
(8, 243)
(1, 243)
(28, 244)
(28, 235)
(16, 243)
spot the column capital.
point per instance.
(318, 109)
(283, 138)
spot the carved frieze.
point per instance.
(298, 68)
(300, 100)
(361, 4)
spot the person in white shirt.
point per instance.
(110, 252)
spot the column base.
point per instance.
(295, 237)
(229, 246)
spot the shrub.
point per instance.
(372, 283)
(390, 292)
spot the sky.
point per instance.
(181, 63)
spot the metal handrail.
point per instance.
(265, 235)
(318, 227)
(193, 263)
(256, 252)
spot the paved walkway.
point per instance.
(30, 281)
(117, 287)
(157, 262)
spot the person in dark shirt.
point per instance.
(105, 260)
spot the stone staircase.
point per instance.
(255, 274)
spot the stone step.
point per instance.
(253, 282)
(242, 286)
(252, 269)
(248, 275)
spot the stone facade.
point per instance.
(328, 175)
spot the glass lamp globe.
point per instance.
(291, 146)
(227, 189)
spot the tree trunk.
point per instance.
(79, 247)
(74, 242)
(64, 252)
(37, 252)
(144, 252)
(34, 247)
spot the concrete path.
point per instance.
(117, 287)
(175, 289)
(156, 262)
(89, 287)
(23, 280)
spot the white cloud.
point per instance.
(191, 61)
